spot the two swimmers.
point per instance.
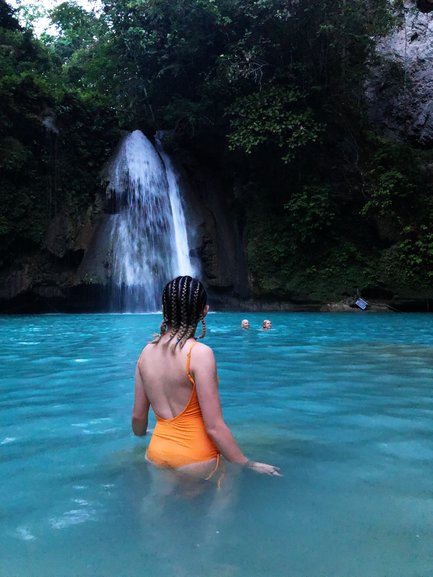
(245, 324)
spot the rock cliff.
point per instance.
(400, 90)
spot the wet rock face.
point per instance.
(69, 234)
(16, 282)
(43, 280)
(215, 235)
(400, 90)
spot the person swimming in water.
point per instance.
(245, 324)
(176, 376)
(266, 324)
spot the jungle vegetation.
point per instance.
(272, 92)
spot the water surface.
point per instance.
(343, 403)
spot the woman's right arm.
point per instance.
(140, 410)
(203, 368)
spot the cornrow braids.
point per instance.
(195, 301)
(173, 294)
(198, 311)
(190, 330)
(164, 324)
(184, 320)
(163, 328)
(203, 329)
(183, 299)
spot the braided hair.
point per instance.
(183, 301)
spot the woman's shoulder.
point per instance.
(202, 351)
(148, 347)
(146, 350)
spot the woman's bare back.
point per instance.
(163, 370)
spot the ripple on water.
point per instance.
(73, 517)
(8, 440)
(409, 450)
(25, 534)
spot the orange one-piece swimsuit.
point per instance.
(182, 440)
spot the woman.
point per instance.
(177, 377)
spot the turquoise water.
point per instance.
(343, 403)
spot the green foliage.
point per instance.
(415, 253)
(149, 59)
(387, 191)
(77, 29)
(289, 243)
(30, 14)
(400, 195)
(287, 233)
(310, 214)
(163, 52)
(274, 116)
(13, 154)
(8, 21)
(344, 269)
(282, 267)
(269, 252)
(26, 94)
(52, 143)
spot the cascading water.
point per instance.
(148, 233)
(183, 261)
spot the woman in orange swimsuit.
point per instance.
(177, 377)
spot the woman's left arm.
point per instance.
(140, 410)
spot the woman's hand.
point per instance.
(264, 469)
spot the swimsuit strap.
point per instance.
(188, 363)
(139, 359)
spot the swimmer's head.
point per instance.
(267, 324)
(183, 306)
(245, 324)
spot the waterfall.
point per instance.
(181, 253)
(148, 232)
